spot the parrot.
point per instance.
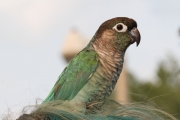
(91, 75)
(82, 89)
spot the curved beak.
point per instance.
(135, 35)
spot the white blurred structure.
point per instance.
(74, 43)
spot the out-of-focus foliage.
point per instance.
(165, 93)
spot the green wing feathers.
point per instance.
(74, 76)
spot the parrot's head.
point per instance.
(118, 33)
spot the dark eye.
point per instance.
(120, 27)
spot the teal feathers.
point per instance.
(111, 110)
(74, 76)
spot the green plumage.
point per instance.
(74, 76)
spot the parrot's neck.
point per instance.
(111, 59)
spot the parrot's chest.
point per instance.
(101, 82)
(104, 79)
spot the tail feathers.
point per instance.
(56, 110)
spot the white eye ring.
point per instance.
(120, 27)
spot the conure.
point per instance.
(91, 76)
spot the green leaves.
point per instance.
(165, 94)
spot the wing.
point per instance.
(74, 76)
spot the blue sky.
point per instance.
(32, 33)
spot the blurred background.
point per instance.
(39, 37)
